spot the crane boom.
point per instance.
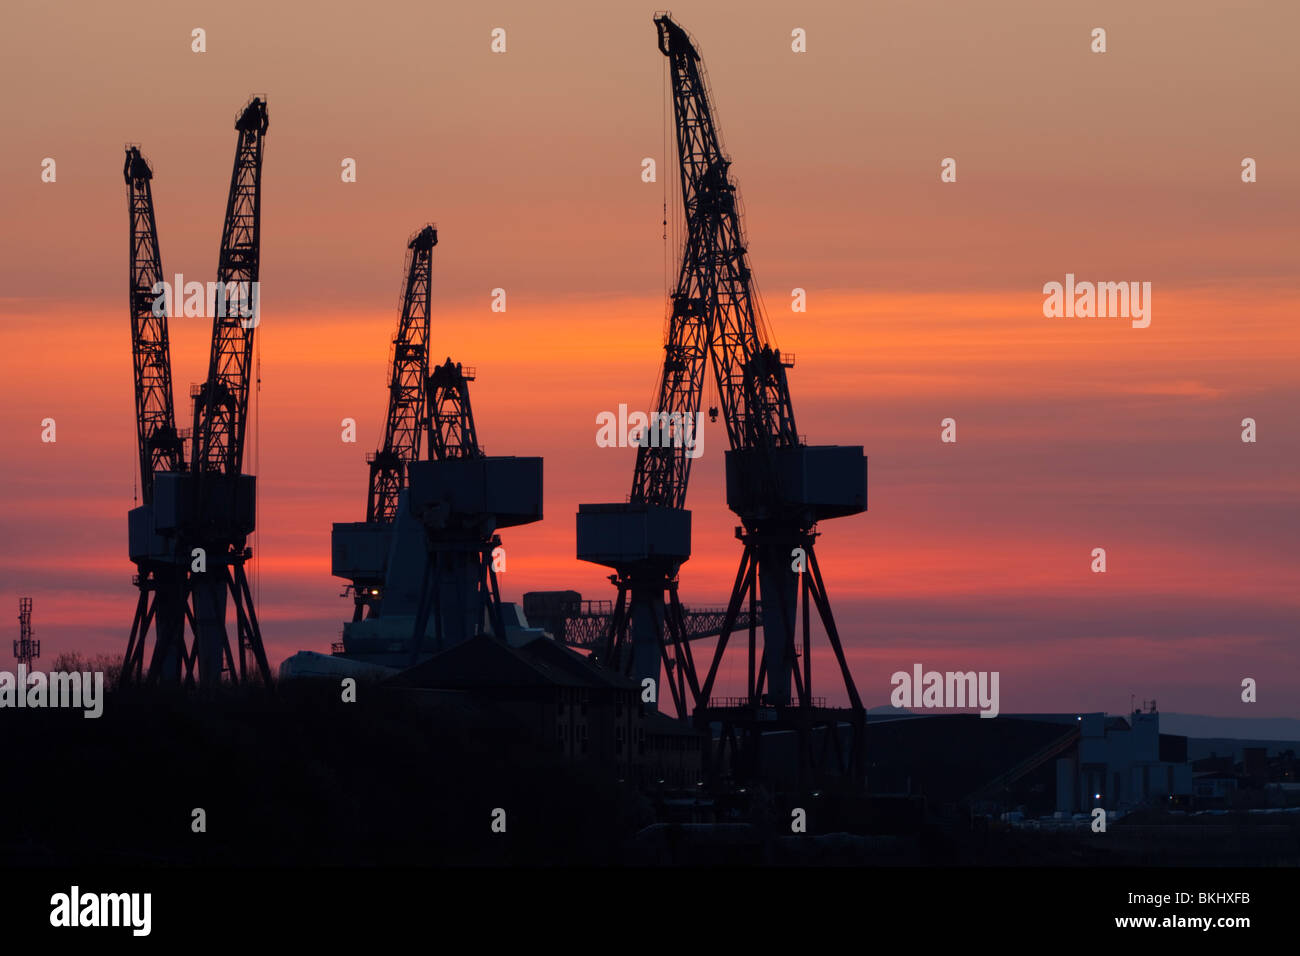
(221, 409)
(405, 424)
(160, 448)
(752, 387)
(663, 469)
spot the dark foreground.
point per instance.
(300, 778)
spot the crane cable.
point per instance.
(665, 178)
(663, 119)
(257, 467)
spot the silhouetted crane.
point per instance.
(160, 575)
(424, 552)
(648, 538)
(196, 522)
(462, 497)
(779, 486)
(405, 426)
(360, 550)
(225, 497)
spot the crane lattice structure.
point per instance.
(779, 486)
(189, 536)
(360, 549)
(406, 425)
(462, 497)
(424, 554)
(646, 539)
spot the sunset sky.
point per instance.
(924, 301)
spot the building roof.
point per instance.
(660, 724)
(547, 653)
(486, 662)
(948, 757)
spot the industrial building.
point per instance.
(579, 711)
(1122, 764)
(1036, 764)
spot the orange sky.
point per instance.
(924, 302)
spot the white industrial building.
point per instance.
(1121, 764)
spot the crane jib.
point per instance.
(220, 417)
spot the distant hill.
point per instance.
(1208, 734)
(1199, 747)
(1235, 728)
